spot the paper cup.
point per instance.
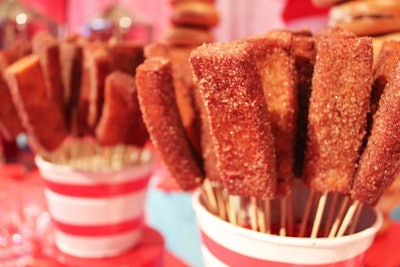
(224, 244)
(96, 213)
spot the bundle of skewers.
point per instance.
(75, 99)
(276, 110)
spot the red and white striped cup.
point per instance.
(96, 213)
(224, 244)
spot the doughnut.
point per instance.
(186, 36)
(367, 17)
(194, 13)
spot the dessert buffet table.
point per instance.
(19, 186)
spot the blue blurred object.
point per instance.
(172, 214)
(395, 214)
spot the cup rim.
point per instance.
(286, 240)
(40, 161)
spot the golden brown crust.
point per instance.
(10, 124)
(120, 111)
(156, 49)
(208, 150)
(71, 73)
(46, 47)
(230, 88)
(184, 92)
(125, 55)
(387, 60)
(379, 40)
(379, 162)
(161, 115)
(97, 62)
(341, 88)
(42, 119)
(183, 86)
(278, 73)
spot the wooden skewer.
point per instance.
(283, 216)
(347, 219)
(339, 217)
(307, 212)
(319, 214)
(331, 214)
(222, 207)
(210, 196)
(242, 213)
(267, 215)
(232, 210)
(289, 208)
(355, 219)
(205, 199)
(261, 216)
(253, 213)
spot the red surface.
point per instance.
(385, 251)
(296, 9)
(149, 253)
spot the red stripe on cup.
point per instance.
(99, 230)
(233, 258)
(98, 190)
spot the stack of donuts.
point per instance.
(377, 18)
(191, 22)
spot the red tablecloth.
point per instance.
(149, 253)
(385, 251)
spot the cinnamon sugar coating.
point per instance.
(379, 162)
(208, 151)
(43, 119)
(386, 61)
(121, 117)
(230, 88)
(46, 47)
(277, 68)
(161, 115)
(341, 88)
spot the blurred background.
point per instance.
(146, 20)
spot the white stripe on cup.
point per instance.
(97, 246)
(95, 211)
(65, 174)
